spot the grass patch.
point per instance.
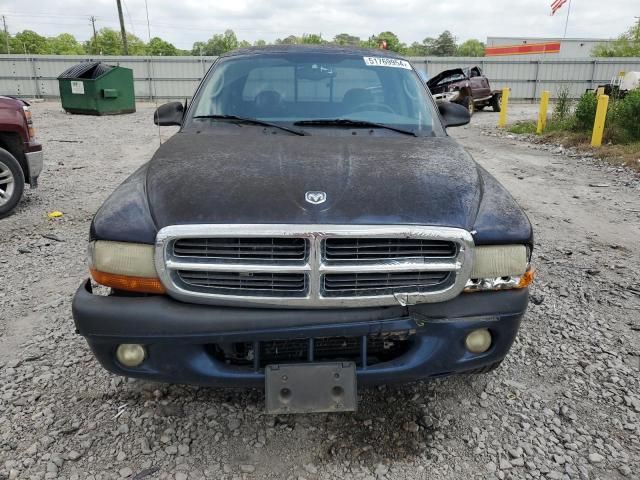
(627, 155)
(616, 154)
(521, 128)
(571, 127)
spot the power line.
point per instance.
(187, 23)
(153, 76)
(129, 15)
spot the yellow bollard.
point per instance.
(599, 91)
(601, 117)
(542, 114)
(503, 107)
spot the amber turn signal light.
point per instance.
(128, 283)
(528, 278)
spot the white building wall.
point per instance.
(569, 47)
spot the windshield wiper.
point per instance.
(353, 123)
(253, 121)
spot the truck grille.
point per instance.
(233, 282)
(375, 249)
(242, 249)
(313, 266)
(357, 284)
(363, 350)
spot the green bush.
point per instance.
(562, 107)
(627, 115)
(585, 113)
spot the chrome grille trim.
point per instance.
(315, 266)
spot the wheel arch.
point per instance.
(12, 143)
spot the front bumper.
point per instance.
(178, 336)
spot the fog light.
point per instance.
(478, 341)
(130, 354)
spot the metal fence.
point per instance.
(177, 77)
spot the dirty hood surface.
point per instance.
(262, 178)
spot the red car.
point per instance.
(21, 155)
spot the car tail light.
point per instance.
(28, 116)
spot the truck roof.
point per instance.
(345, 50)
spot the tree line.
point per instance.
(626, 45)
(109, 42)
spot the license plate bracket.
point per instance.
(311, 388)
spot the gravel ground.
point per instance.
(565, 403)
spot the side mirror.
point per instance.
(454, 115)
(169, 114)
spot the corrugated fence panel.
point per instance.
(178, 77)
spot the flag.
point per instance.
(555, 6)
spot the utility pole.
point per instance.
(6, 33)
(122, 30)
(95, 37)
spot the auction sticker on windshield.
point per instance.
(386, 62)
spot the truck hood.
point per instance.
(262, 178)
(439, 82)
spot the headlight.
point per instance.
(452, 96)
(500, 267)
(124, 266)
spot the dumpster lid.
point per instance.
(86, 70)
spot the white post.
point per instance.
(566, 23)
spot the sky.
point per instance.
(187, 21)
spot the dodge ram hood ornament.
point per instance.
(315, 198)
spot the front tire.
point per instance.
(11, 183)
(495, 103)
(468, 104)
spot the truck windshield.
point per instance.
(297, 88)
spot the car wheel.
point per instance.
(468, 104)
(11, 183)
(495, 103)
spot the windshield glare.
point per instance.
(288, 88)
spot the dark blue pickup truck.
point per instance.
(310, 228)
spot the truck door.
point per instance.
(479, 84)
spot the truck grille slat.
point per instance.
(313, 266)
(354, 249)
(242, 248)
(255, 281)
(381, 283)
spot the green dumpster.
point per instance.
(95, 88)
